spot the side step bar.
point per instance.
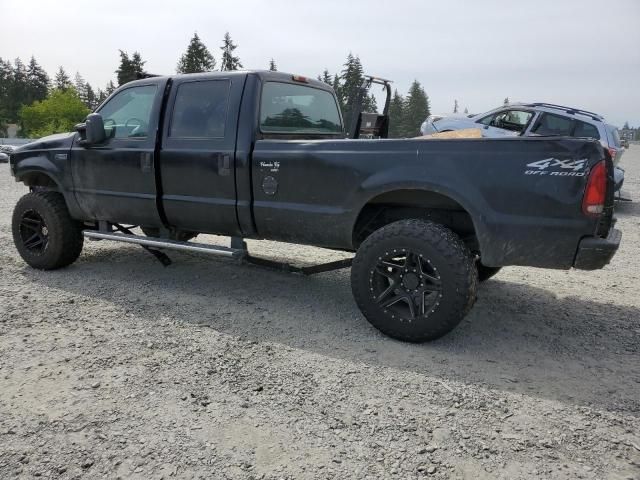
(166, 243)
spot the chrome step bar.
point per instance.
(165, 243)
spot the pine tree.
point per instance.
(197, 58)
(352, 77)
(337, 87)
(81, 88)
(396, 115)
(455, 106)
(92, 99)
(466, 111)
(272, 65)
(110, 88)
(38, 82)
(6, 85)
(506, 101)
(325, 77)
(18, 90)
(62, 80)
(101, 96)
(416, 109)
(626, 126)
(131, 68)
(229, 62)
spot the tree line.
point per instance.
(44, 105)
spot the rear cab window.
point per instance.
(298, 109)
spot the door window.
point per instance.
(553, 125)
(127, 114)
(200, 110)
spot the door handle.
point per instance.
(224, 165)
(146, 162)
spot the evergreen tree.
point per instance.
(396, 115)
(101, 96)
(6, 86)
(131, 68)
(38, 82)
(337, 87)
(455, 106)
(110, 88)
(352, 78)
(62, 80)
(325, 77)
(92, 99)
(18, 89)
(626, 126)
(81, 88)
(272, 65)
(466, 111)
(416, 109)
(229, 62)
(197, 58)
(506, 101)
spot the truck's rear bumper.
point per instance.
(594, 252)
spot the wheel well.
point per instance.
(39, 179)
(403, 204)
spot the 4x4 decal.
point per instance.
(557, 168)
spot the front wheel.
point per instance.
(43, 231)
(414, 280)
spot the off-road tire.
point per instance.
(63, 236)
(447, 257)
(485, 273)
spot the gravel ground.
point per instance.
(117, 367)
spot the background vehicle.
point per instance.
(263, 155)
(536, 119)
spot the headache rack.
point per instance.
(566, 109)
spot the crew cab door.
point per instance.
(115, 181)
(197, 156)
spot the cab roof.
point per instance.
(264, 75)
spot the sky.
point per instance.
(581, 53)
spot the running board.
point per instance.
(165, 243)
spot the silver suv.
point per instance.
(536, 119)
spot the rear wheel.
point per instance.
(44, 233)
(414, 280)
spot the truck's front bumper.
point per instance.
(594, 252)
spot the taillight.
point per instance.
(596, 191)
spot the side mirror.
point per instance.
(92, 131)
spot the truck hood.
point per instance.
(59, 141)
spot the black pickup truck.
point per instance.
(264, 155)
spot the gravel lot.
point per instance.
(120, 368)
